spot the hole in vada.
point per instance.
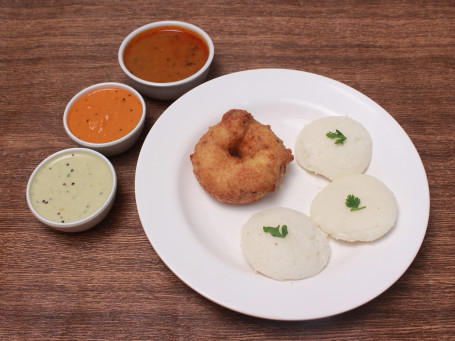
(234, 152)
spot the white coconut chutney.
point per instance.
(70, 187)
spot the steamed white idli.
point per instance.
(320, 154)
(302, 253)
(329, 210)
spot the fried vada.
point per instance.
(239, 160)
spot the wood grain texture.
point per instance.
(108, 283)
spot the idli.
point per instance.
(334, 146)
(355, 207)
(292, 248)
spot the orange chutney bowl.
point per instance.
(106, 117)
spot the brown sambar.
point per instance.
(166, 54)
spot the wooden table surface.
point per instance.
(108, 283)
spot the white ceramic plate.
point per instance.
(198, 238)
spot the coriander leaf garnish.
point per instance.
(275, 231)
(340, 138)
(353, 202)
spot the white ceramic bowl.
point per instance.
(172, 90)
(109, 148)
(88, 222)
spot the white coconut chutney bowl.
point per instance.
(72, 190)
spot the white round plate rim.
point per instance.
(199, 238)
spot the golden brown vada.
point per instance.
(240, 160)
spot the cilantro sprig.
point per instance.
(340, 138)
(353, 202)
(275, 231)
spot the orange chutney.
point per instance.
(165, 54)
(104, 115)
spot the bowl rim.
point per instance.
(98, 86)
(200, 32)
(94, 215)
